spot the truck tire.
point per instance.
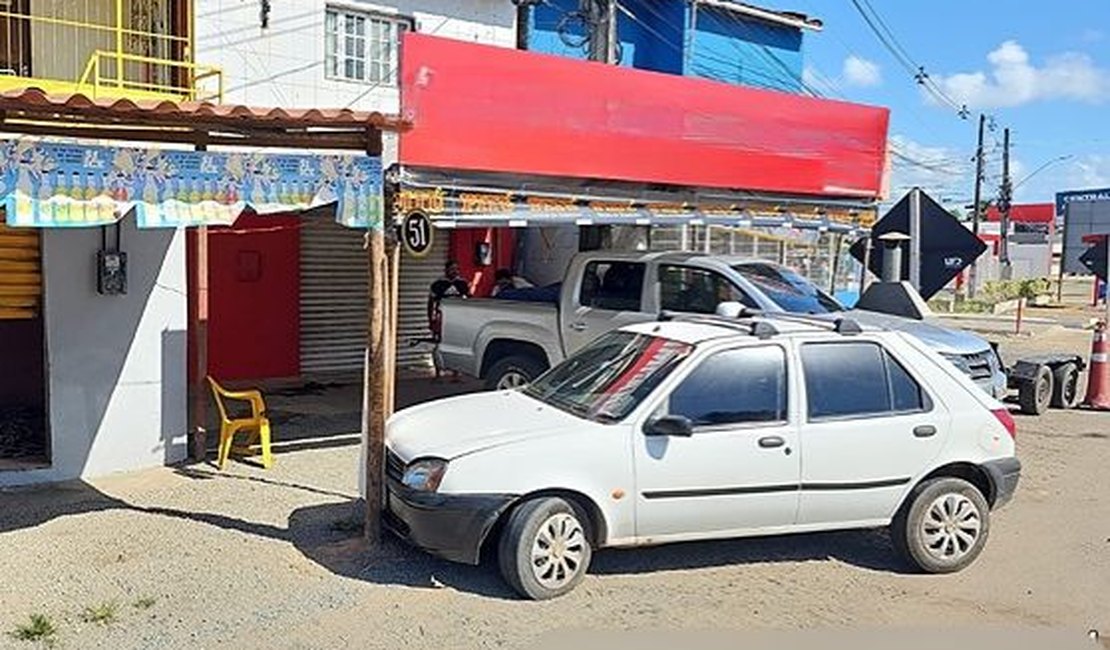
(1065, 386)
(513, 371)
(544, 550)
(1035, 395)
(943, 525)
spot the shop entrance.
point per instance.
(24, 439)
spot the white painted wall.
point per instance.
(116, 364)
(283, 65)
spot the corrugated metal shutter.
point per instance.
(333, 298)
(20, 273)
(417, 276)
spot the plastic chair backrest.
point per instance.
(218, 393)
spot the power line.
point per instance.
(886, 37)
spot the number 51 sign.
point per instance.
(416, 233)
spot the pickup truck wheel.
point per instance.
(1035, 395)
(943, 526)
(1065, 386)
(513, 372)
(544, 551)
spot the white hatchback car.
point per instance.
(703, 428)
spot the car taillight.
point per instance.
(1007, 421)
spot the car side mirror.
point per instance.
(670, 425)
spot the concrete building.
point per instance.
(308, 54)
(92, 383)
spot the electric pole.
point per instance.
(603, 29)
(1005, 195)
(971, 275)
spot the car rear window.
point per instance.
(857, 379)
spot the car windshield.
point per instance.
(788, 290)
(608, 378)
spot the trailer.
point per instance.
(1047, 380)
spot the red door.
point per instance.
(254, 298)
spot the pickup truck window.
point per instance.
(788, 290)
(607, 379)
(614, 286)
(741, 386)
(698, 291)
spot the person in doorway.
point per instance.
(451, 285)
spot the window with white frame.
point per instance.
(359, 46)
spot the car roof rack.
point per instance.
(758, 328)
(747, 317)
(842, 325)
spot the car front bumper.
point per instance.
(450, 526)
(1004, 474)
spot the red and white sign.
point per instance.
(482, 108)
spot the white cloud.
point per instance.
(861, 72)
(1092, 170)
(1014, 80)
(944, 173)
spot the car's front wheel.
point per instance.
(544, 551)
(943, 526)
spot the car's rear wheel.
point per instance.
(1065, 386)
(544, 550)
(943, 526)
(513, 372)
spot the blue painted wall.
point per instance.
(663, 36)
(754, 53)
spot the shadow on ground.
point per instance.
(330, 535)
(345, 553)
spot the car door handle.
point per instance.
(579, 326)
(770, 442)
(924, 431)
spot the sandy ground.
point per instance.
(253, 558)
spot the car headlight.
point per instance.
(424, 475)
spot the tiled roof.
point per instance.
(34, 101)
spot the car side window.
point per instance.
(614, 286)
(857, 380)
(699, 291)
(742, 386)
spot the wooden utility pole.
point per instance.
(971, 274)
(375, 377)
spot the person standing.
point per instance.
(451, 285)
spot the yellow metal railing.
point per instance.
(197, 86)
(105, 48)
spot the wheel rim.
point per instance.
(1044, 391)
(558, 551)
(951, 527)
(512, 379)
(1071, 387)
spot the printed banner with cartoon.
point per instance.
(63, 185)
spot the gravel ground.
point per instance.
(254, 558)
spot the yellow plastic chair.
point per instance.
(257, 426)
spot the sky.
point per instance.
(1040, 68)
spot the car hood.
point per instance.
(458, 426)
(929, 331)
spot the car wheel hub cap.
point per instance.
(512, 380)
(951, 527)
(557, 551)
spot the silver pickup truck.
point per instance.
(507, 343)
